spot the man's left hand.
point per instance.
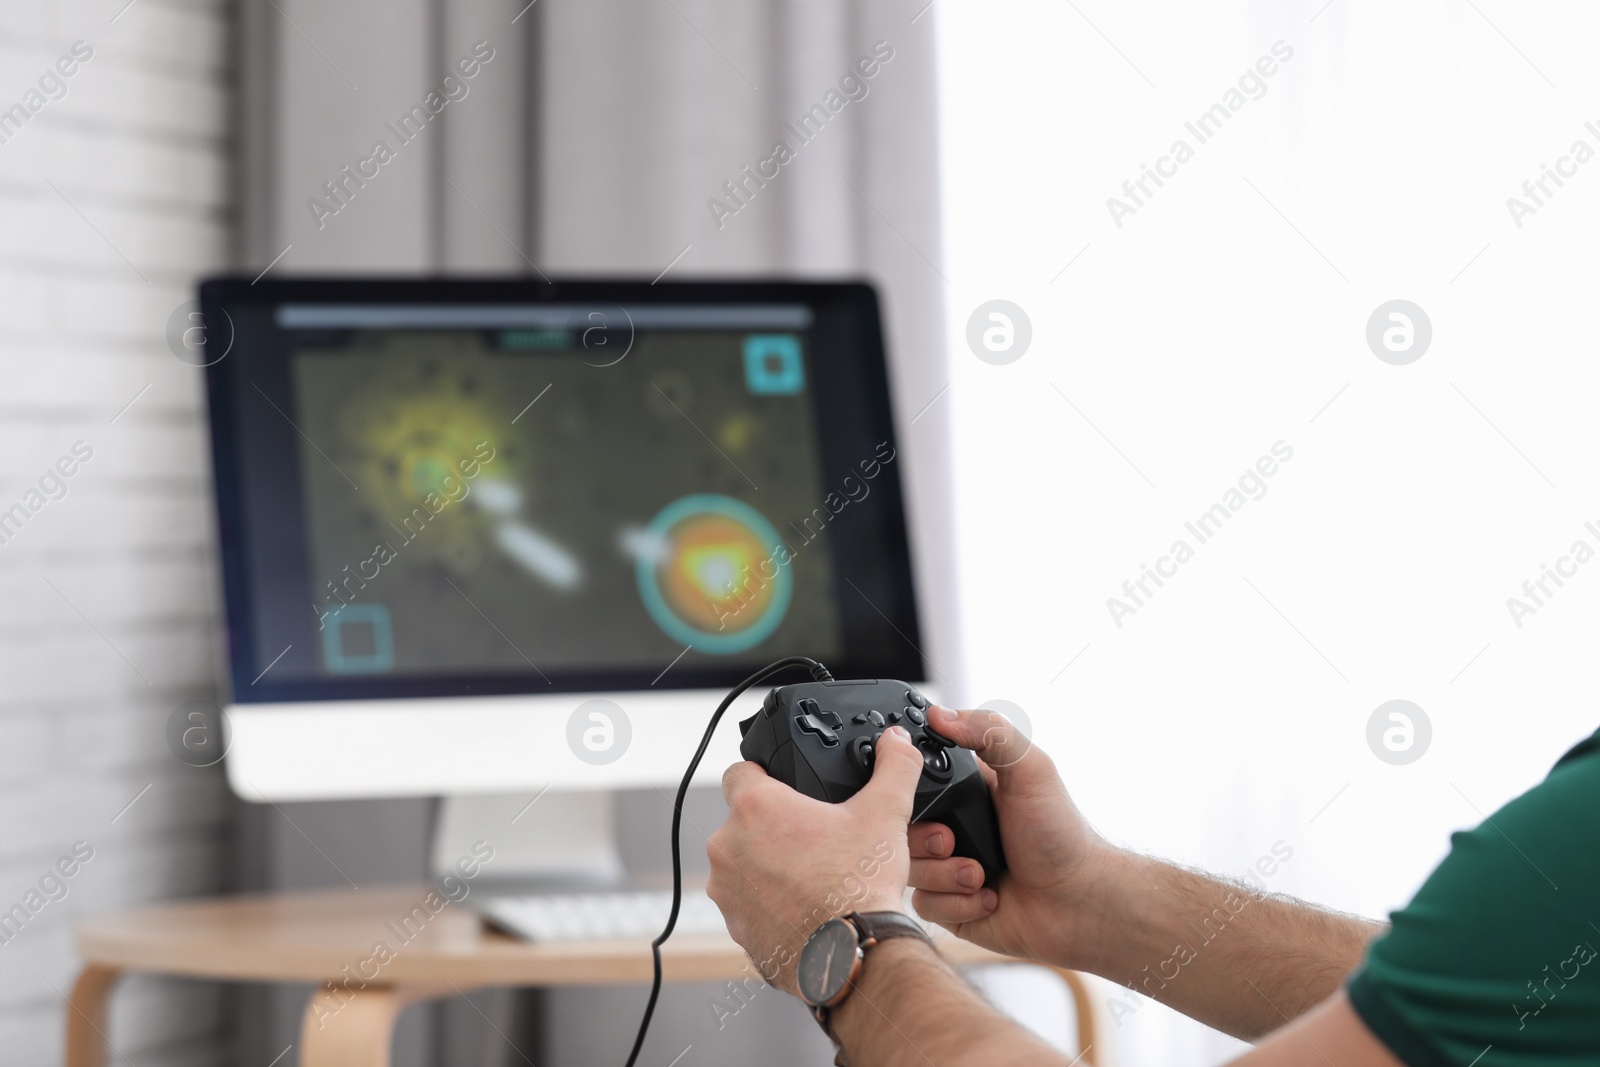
(783, 864)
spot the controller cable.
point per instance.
(818, 673)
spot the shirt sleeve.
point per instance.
(1493, 963)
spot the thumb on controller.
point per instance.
(896, 770)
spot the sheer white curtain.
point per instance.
(1228, 313)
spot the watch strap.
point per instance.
(874, 926)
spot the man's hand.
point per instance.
(783, 864)
(1054, 858)
(1070, 899)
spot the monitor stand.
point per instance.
(550, 839)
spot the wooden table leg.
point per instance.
(86, 1016)
(354, 1030)
(1083, 1009)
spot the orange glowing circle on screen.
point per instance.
(720, 579)
(713, 572)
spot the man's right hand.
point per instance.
(1044, 907)
(1070, 899)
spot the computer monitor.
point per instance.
(463, 522)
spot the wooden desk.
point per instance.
(315, 937)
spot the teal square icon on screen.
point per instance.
(772, 365)
(358, 639)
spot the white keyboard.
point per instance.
(603, 916)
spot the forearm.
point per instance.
(909, 1009)
(1218, 951)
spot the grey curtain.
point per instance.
(677, 138)
(649, 109)
(601, 137)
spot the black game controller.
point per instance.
(819, 737)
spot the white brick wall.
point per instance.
(141, 146)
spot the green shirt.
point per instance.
(1496, 960)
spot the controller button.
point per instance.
(859, 719)
(811, 725)
(894, 717)
(875, 718)
(916, 698)
(916, 716)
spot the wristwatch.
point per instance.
(833, 956)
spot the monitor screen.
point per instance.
(583, 489)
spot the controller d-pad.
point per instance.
(829, 719)
(813, 725)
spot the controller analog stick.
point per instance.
(861, 752)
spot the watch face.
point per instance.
(827, 962)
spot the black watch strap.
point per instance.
(871, 928)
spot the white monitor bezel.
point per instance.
(348, 749)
